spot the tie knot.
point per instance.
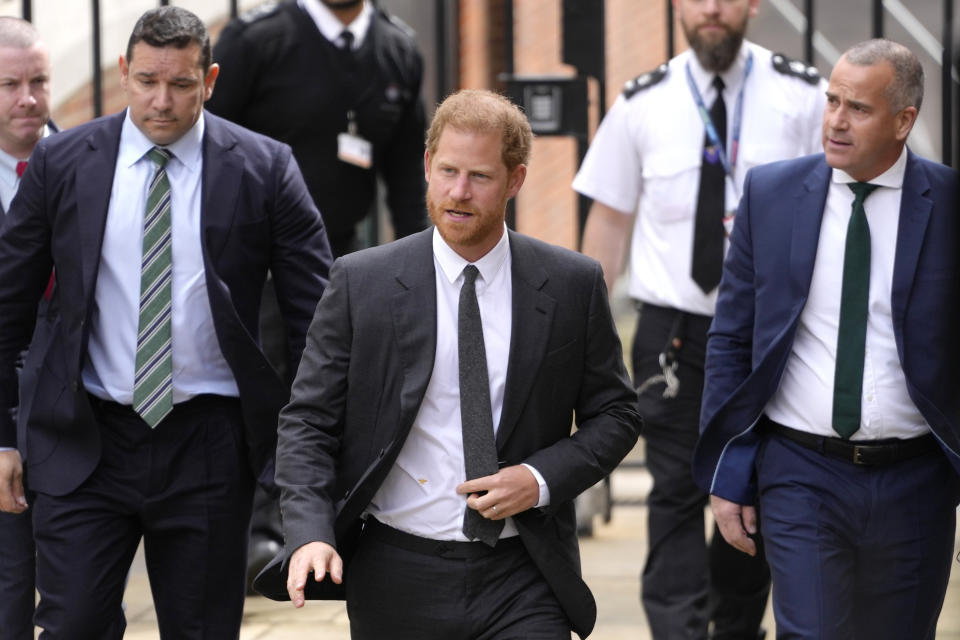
(159, 156)
(470, 273)
(718, 84)
(21, 167)
(345, 40)
(862, 189)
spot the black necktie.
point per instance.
(708, 230)
(479, 448)
(852, 335)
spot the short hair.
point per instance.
(171, 27)
(17, 33)
(906, 90)
(483, 111)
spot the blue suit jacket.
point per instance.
(765, 284)
(256, 215)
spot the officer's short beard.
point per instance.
(716, 56)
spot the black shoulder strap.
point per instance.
(644, 81)
(795, 68)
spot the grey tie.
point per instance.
(479, 448)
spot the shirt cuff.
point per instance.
(544, 500)
(2, 449)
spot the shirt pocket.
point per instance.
(669, 179)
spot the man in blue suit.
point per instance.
(147, 408)
(830, 405)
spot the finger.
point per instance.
(336, 569)
(749, 516)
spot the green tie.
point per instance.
(852, 335)
(153, 384)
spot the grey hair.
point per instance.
(17, 33)
(906, 90)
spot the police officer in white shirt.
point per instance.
(666, 167)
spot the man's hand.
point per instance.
(508, 492)
(12, 499)
(318, 557)
(735, 522)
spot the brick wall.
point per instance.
(547, 206)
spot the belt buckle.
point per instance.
(859, 453)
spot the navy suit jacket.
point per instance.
(256, 214)
(765, 284)
(365, 369)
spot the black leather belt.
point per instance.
(869, 453)
(197, 404)
(427, 546)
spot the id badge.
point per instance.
(355, 150)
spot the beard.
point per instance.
(482, 226)
(716, 56)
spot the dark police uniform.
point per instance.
(646, 160)
(279, 76)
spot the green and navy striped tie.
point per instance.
(153, 383)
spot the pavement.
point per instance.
(612, 559)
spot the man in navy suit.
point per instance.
(831, 402)
(24, 121)
(147, 408)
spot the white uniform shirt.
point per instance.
(886, 408)
(332, 29)
(646, 157)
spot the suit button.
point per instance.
(73, 386)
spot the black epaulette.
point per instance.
(644, 81)
(259, 12)
(399, 24)
(795, 68)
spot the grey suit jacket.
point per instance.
(365, 369)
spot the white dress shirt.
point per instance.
(9, 180)
(886, 408)
(419, 494)
(198, 364)
(645, 161)
(330, 26)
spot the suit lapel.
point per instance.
(915, 208)
(95, 169)
(414, 310)
(532, 318)
(805, 237)
(222, 173)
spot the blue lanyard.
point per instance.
(729, 162)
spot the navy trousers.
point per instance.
(185, 488)
(856, 552)
(17, 570)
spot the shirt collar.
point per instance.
(330, 26)
(8, 168)
(8, 164)
(732, 77)
(892, 177)
(452, 264)
(188, 150)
